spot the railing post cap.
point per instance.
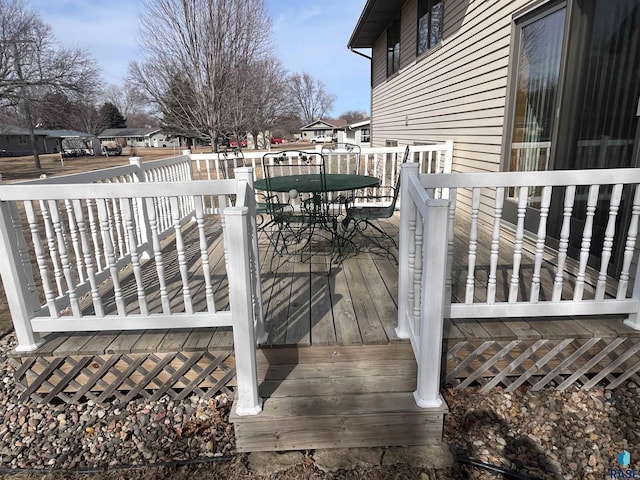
(235, 211)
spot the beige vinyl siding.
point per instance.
(379, 61)
(408, 33)
(456, 91)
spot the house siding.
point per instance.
(456, 91)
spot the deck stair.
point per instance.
(337, 397)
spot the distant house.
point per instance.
(320, 128)
(14, 141)
(74, 141)
(140, 137)
(358, 133)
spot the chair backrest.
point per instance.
(396, 189)
(229, 160)
(291, 163)
(341, 158)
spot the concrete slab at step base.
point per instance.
(332, 460)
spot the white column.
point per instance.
(239, 271)
(429, 355)
(407, 211)
(23, 303)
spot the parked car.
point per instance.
(276, 140)
(111, 150)
(234, 143)
(322, 139)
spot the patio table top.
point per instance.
(313, 183)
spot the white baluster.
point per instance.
(88, 259)
(135, 257)
(73, 228)
(110, 254)
(41, 258)
(182, 259)
(473, 246)
(58, 228)
(51, 243)
(93, 228)
(418, 273)
(540, 241)
(23, 251)
(629, 247)
(453, 193)
(157, 255)
(204, 255)
(517, 245)
(607, 247)
(585, 245)
(569, 198)
(495, 245)
(411, 291)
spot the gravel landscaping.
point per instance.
(547, 434)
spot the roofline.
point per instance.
(366, 11)
(376, 16)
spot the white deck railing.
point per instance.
(382, 162)
(63, 239)
(426, 253)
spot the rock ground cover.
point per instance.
(547, 434)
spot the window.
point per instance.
(430, 18)
(365, 135)
(22, 140)
(393, 47)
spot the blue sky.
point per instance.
(309, 35)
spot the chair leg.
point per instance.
(360, 227)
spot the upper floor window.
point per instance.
(393, 47)
(430, 18)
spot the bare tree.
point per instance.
(128, 98)
(260, 99)
(353, 116)
(310, 97)
(32, 64)
(192, 52)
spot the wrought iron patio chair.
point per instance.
(228, 160)
(294, 215)
(364, 212)
(340, 158)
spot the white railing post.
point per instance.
(23, 301)
(633, 320)
(448, 157)
(240, 299)
(407, 214)
(246, 174)
(187, 153)
(429, 356)
(143, 217)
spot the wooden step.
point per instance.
(337, 397)
(339, 421)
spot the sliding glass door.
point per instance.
(575, 100)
